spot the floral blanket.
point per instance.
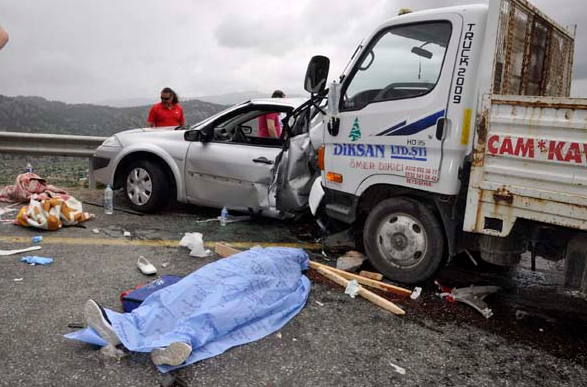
(27, 185)
(52, 213)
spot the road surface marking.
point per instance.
(152, 243)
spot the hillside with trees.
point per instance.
(39, 115)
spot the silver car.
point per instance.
(218, 162)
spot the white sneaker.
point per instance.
(173, 355)
(97, 319)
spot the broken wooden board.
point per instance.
(225, 250)
(371, 275)
(366, 294)
(364, 281)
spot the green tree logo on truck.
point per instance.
(355, 133)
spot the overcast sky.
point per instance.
(92, 51)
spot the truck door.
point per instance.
(392, 107)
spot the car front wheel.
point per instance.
(403, 239)
(146, 186)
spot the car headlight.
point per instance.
(112, 142)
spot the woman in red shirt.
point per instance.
(168, 112)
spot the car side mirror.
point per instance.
(317, 74)
(247, 129)
(192, 135)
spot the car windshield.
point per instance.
(212, 118)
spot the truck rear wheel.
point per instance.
(404, 240)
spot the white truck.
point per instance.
(452, 130)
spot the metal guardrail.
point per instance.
(51, 145)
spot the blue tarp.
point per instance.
(226, 303)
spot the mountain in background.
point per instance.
(221, 99)
(233, 98)
(38, 115)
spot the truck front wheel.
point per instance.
(404, 240)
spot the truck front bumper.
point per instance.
(341, 205)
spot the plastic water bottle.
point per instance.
(108, 204)
(223, 216)
(29, 167)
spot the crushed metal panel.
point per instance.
(534, 55)
(293, 175)
(530, 162)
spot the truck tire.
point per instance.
(146, 186)
(404, 240)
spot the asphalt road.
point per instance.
(535, 338)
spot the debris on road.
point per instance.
(472, 296)
(95, 231)
(364, 281)
(416, 293)
(126, 234)
(229, 219)
(18, 251)
(225, 250)
(352, 288)
(37, 239)
(18, 279)
(371, 275)
(36, 260)
(398, 369)
(164, 264)
(319, 303)
(195, 242)
(338, 276)
(351, 261)
(374, 298)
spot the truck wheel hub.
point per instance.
(402, 240)
(399, 241)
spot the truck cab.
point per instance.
(404, 123)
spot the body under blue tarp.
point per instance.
(226, 303)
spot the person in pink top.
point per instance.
(3, 37)
(269, 124)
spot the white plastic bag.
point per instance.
(194, 242)
(352, 288)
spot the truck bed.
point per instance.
(529, 162)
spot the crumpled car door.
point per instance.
(294, 175)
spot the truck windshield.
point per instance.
(403, 62)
